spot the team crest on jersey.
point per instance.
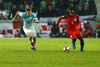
(75, 19)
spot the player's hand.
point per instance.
(13, 19)
(78, 28)
(33, 19)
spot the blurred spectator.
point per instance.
(72, 6)
(48, 2)
(38, 29)
(37, 3)
(1, 5)
(54, 30)
(43, 3)
(54, 10)
(80, 11)
(67, 11)
(33, 8)
(80, 4)
(29, 2)
(60, 4)
(69, 2)
(93, 9)
(13, 11)
(2, 17)
(98, 31)
(76, 2)
(7, 4)
(41, 12)
(88, 30)
(53, 3)
(64, 31)
(49, 12)
(87, 11)
(83, 2)
(59, 12)
(91, 2)
(21, 9)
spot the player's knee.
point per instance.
(34, 38)
(30, 37)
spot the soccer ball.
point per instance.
(66, 48)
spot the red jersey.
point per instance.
(71, 21)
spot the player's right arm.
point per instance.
(60, 18)
(15, 16)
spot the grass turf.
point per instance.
(16, 52)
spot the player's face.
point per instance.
(28, 13)
(71, 13)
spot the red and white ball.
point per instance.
(66, 48)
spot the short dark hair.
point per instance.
(87, 23)
(28, 9)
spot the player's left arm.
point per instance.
(34, 18)
(78, 23)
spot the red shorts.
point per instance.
(74, 33)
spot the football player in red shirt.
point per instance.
(72, 20)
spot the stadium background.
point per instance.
(9, 29)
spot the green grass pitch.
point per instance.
(16, 52)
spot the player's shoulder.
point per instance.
(77, 15)
(66, 15)
(33, 14)
(22, 12)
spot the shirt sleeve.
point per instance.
(34, 16)
(60, 18)
(21, 14)
(64, 16)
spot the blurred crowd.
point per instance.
(49, 8)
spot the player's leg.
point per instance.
(34, 39)
(72, 36)
(31, 40)
(73, 42)
(30, 36)
(82, 44)
(33, 32)
(80, 37)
